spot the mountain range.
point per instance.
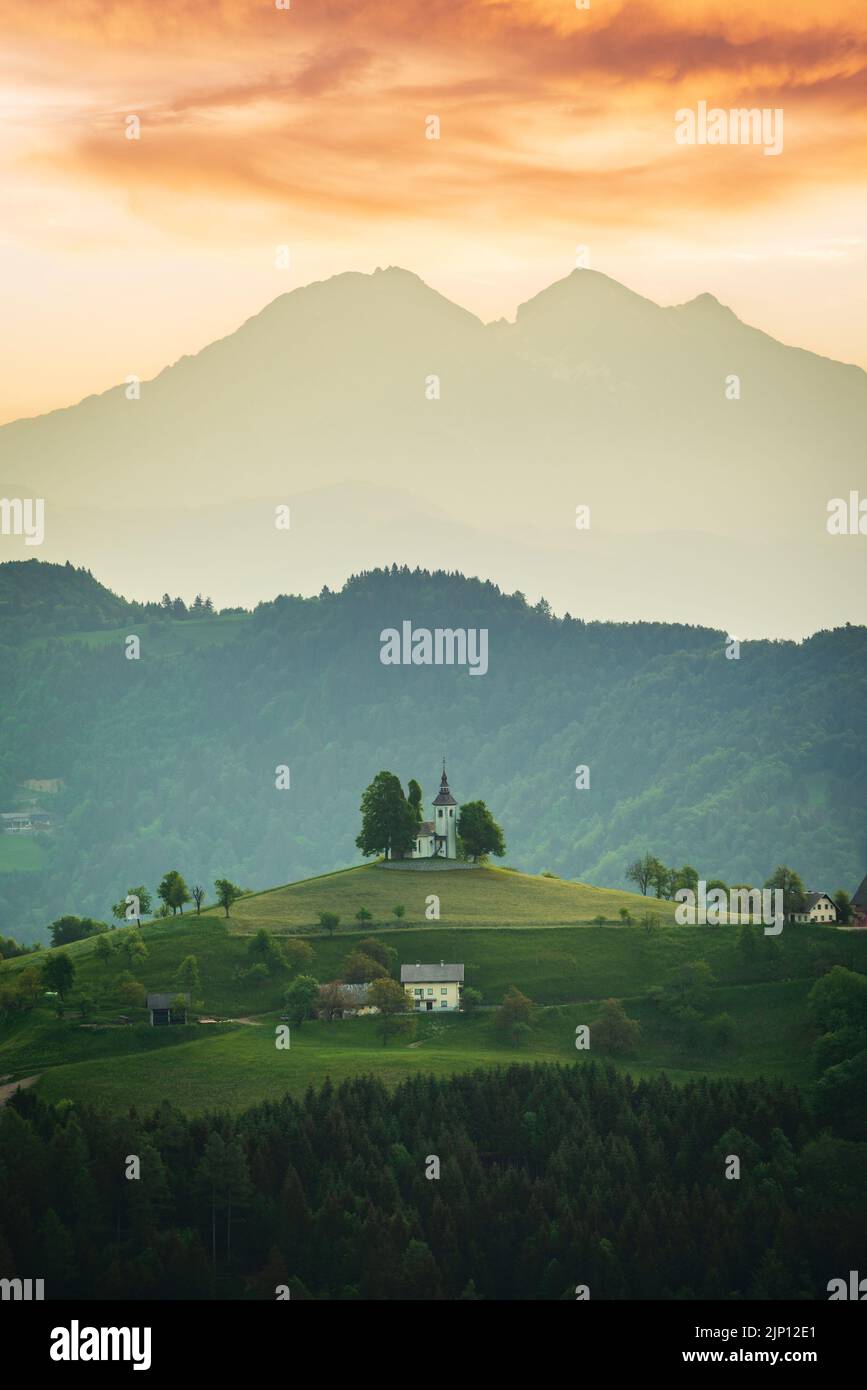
(703, 509)
(168, 760)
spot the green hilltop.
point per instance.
(469, 897)
(507, 928)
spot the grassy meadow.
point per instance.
(506, 928)
(204, 1068)
(483, 897)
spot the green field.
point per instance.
(566, 970)
(238, 1065)
(22, 853)
(484, 897)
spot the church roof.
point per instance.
(445, 797)
(427, 827)
(859, 897)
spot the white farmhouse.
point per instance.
(818, 907)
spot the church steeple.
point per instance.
(445, 797)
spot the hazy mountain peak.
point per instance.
(707, 305)
(583, 292)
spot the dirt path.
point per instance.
(7, 1091)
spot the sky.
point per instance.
(305, 128)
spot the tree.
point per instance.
(840, 1097)
(237, 1186)
(689, 985)
(174, 892)
(640, 871)
(179, 1006)
(650, 921)
(625, 916)
(470, 999)
(332, 999)
(659, 878)
(58, 973)
(227, 893)
(187, 977)
(389, 997)
(413, 797)
(479, 831)
(129, 991)
(139, 907)
(211, 1175)
(20, 993)
(839, 1000)
(198, 897)
(613, 1032)
(388, 824)
(386, 955)
(329, 921)
(358, 968)
(362, 916)
(520, 1033)
(687, 877)
(399, 911)
(262, 949)
(844, 905)
(102, 950)
(300, 998)
(65, 930)
(794, 893)
(515, 1013)
(598, 920)
(297, 952)
(256, 974)
(133, 946)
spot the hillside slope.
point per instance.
(733, 767)
(567, 972)
(483, 897)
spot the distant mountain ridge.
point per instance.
(169, 761)
(704, 509)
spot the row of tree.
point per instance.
(137, 904)
(649, 873)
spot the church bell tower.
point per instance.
(446, 819)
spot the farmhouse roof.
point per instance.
(813, 898)
(430, 974)
(164, 1001)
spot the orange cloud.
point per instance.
(557, 126)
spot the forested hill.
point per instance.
(732, 766)
(38, 599)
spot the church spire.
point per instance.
(445, 797)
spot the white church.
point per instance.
(439, 837)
